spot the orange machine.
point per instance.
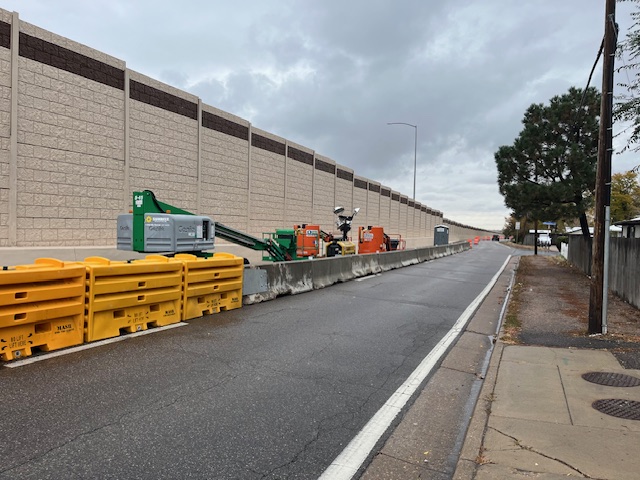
(308, 240)
(371, 240)
(374, 240)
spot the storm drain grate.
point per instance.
(627, 409)
(611, 379)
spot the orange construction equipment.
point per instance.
(374, 240)
(371, 240)
(307, 240)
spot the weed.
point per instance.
(512, 323)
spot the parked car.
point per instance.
(544, 240)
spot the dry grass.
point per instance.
(481, 459)
(512, 323)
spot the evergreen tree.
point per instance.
(549, 171)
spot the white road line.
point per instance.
(58, 353)
(361, 279)
(346, 465)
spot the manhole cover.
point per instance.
(611, 379)
(627, 409)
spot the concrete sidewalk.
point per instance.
(534, 418)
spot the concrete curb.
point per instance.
(471, 454)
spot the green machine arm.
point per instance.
(145, 202)
(275, 250)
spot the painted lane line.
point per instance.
(347, 463)
(58, 353)
(362, 279)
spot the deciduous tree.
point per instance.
(625, 196)
(626, 107)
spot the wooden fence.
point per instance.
(624, 264)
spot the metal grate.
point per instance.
(611, 379)
(627, 409)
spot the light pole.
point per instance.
(415, 151)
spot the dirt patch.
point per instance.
(550, 301)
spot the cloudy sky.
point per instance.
(330, 75)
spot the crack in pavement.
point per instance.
(320, 430)
(531, 449)
(564, 393)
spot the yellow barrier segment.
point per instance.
(125, 297)
(211, 285)
(41, 306)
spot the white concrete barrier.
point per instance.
(289, 278)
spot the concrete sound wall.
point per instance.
(324, 192)
(373, 205)
(5, 124)
(344, 188)
(224, 164)
(299, 184)
(80, 132)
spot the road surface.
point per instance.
(273, 390)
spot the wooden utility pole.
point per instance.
(603, 174)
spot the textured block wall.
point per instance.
(411, 226)
(224, 159)
(70, 141)
(373, 204)
(394, 212)
(299, 185)
(5, 119)
(344, 187)
(266, 187)
(431, 224)
(163, 132)
(385, 208)
(90, 131)
(416, 220)
(360, 198)
(344, 193)
(403, 220)
(324, 184)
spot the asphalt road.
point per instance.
(273, 390)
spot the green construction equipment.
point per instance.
(157, 227)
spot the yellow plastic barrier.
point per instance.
(125, 297)
(41, 306)
(211, 284)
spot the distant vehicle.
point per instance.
(496, 238)
(544, 240)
